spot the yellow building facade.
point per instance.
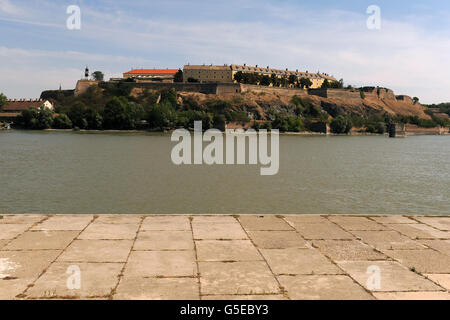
(225, 74)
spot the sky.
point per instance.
(409, 53)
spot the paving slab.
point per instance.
(383, 240)
(10, 231)
(264, 223)
(139, 288)
(108, 231)
(442, 246)
(441, 223)
(412, 295)
(294, 261)
(161, 264)
(320, 287)
(420, 231)
(3, 243)
(392, 275)
(119, 218)
(244, 297)
(65, 223)
(441, 279)
(164, 240)
(217, 219)
(423, 261)
(220, 231)
(325, 231)
(301, 219)
(340, 250)
(393, 219)
(277, 239)
(356, 223)
(96, 280)
(21, 218)
(97, 251)
(237, 278)
(232, 250)
(166, 223)
(42, 240)
(18, 269)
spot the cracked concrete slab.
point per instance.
(108, 231)
(237, 278)
(412, 295)
(233, 250)
(61, 280)
(64, 223)
(264, 223)
(97, 251)
(340, 250)
(393, 219)
(392, 276)
(299, 261)
(164, 240)
(18, 269)
(383, 240)
(277, 239)
(10, 231)
(423, 261)
(42, 240)
(166, 223)
(322, 231)
(161, 264)
(356, 223)
(140, 288)
(441, 279)
(441, 223)
(420, 231)
(320, 287)
(438, 245)
(220, 231)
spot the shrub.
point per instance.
(62, 121)
(341, 124)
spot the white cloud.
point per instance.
(402, 55)
(7, 7)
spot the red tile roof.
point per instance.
(152, 71)
(18, 106)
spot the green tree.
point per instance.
(28, 118)
(292, 79)
(62, 121)
(178, 76)
(341, 124)
(238, 76)
(77, 115)
(415, 99)
(162, 116)
(94, 119)
(305, 83)
(265, 80)
(325, 84)
(98, 76)
(3, 101)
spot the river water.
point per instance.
(74, 172)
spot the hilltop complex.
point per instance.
(227, 74)
(231, 74)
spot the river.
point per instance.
(76, 172)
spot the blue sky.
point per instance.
(410, 53)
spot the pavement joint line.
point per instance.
(345, 272)
(280, 287)
(121, 274)
(199, 283)
(23, 294)
(27, 230)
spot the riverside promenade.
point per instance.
(192, 257)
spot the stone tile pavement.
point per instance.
(224, 257)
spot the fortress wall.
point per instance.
(273, 90)
(83, 85)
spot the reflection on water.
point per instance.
(54, 172)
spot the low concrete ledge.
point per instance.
(224, 257)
